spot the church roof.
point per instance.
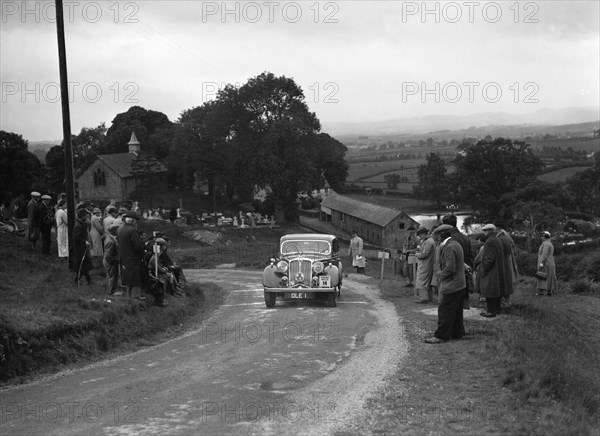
(129, 165)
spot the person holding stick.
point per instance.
(82, 264)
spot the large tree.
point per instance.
(20, 170)
(491, 168)
(152, 128)
(433, 183)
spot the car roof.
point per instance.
(307, 236)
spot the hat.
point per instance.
(450, 219)
(35, 194)
(422, 230)
(546, 234)
(46, 197)
(122, 210)
(113, 228)
(489, 227)
(131, 214)
(160, 241)
(444, 228)
(111, 209)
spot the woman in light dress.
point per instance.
(545, 262)
(96, 232)
(62, 233)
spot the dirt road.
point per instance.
(301, 367)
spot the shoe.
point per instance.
(434, 340)
(487, 314)
(408, 285)
(118, 294)
(162, 304)
(141, 298)
(422, 301)
(539, 294)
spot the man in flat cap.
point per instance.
(132, 253)
(465, 243)
(33, 218)
(425, 257)
(46, 222)
(511, 270)
(452, 286)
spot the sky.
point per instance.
(355, 61)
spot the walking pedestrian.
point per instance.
(408, 250)
(356, 253)
(545, 262)
(452, 288)
(510, 265)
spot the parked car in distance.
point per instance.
(308, 268)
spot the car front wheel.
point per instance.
(270, 298)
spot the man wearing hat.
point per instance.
(510, 264)
(112, 258)
(465, 244)
(132, 253)
(491, 271)
(46, 222)
(452, 285)
(408, 251)
(111, 215)
(545, 262)
(425, 257)
(33, 218)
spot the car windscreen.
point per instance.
(291, 247)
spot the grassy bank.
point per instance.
(47, 321)
(531, 371)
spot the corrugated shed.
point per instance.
(372, 213)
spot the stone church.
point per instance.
(116, 176)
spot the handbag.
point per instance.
(541, 274)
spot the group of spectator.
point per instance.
(448, 270)
(109, 240)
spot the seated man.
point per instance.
(163, 274)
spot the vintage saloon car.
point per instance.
(308, 267)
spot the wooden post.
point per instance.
(383, 255)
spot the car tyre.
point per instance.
(331, 299)
(270, 298)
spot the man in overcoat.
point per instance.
(132, 253)
(452, 285)
(425, 258)
(491, 271)
(33, 218)
(510, 265)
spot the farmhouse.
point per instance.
(116, 176)
(375, 224)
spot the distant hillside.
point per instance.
(40, 148)
(486, 120)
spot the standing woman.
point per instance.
(62, 234)
(546, 263)
(96, 232)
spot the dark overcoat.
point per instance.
(132, 255)
(507, 246)
(491, 270)
(80, 248)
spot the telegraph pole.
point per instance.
(66, 117)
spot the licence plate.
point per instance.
(300, 295)
(324, 282)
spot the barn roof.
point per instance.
(372, 213)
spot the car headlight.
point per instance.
(282, 266)
(318, 267)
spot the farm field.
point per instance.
(362, 170)
(561, 175)
(577, 144)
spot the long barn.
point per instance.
(375, 224)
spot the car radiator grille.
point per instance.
(303, 266)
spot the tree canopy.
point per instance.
(491, 168)
(20, 170)
(433, 183)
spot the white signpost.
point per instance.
(383, 255)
